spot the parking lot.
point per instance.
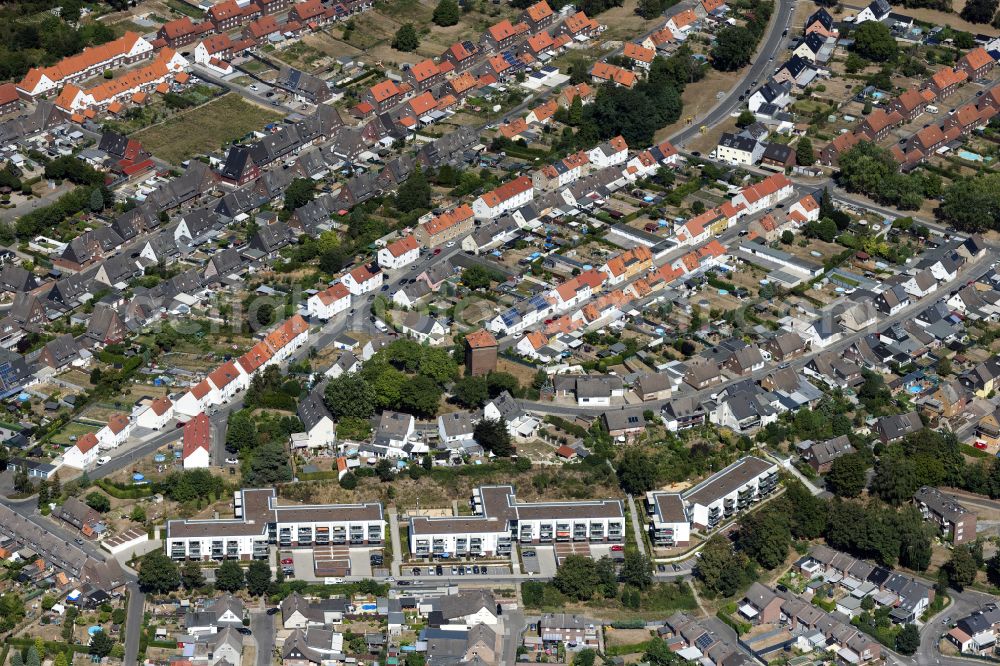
(457, 570)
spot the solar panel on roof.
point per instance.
(704, 641)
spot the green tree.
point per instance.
(96, 200)
(722, 571)
(60, 660)
(268, 466)
(804, 155)
(895, 479)
(787, 237)
(192, 576)
(636, 472)
(993, 570)
(745, 118)
(961, 568)
(734, 46)
(471, 391)
(420, 396)
(350, 395)
(477, 277)
(765, 537)
(101, 644)
(138, 514)
(607, 578)
(406, 38)
(158, 573)
(585, 657)
(847, 475)
(241, 432)
(415, 192)
(874, 41)
(258, 577)
(299, 192)
(384, 471)
(493, 436)
(229, 577)
(908, 640)
(637, 570)
(658, 653)
(577, 577)
(98, 502)
(973, 204)
(349, 481)
(446, 13)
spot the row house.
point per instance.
(878, 124)
(183, 31)
(128, 49)
(912, 103)
(956, 524)
(228, 14)
(461, 55)
(503, 35)
(946, 81)
(567, 170)
(765, 194)
(507, 197)
(538, 16)
(424, 75)
(579, 27)
(603, 72)
(640, 56)
(167, 66)
(628, 264)
(383, 95)
(977, 63)
(832, 151)
(446, 226)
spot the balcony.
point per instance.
(177, 551)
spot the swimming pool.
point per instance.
(972, 157)
(915, 389)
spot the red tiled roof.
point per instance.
(507, 191)
(402, 246)
(86, 442)
(384, 90)
(118, 422)
(197, 435)
(539, 11)
(480, 339)
(424, 70)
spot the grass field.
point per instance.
(73, 429)
(204, 128)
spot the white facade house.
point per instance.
(228, 380)
(456, 427)
(668, 525)
(329, 302)
(739, 149)
(878, 10)
(156, 414)
(286, 338)
(260, 522)
(730, 491)
(489, 531)
(765, 194)
(399, 254)
(115, 432)
(320, 430)
(83, 453)
(507, 197)
(199, 398)
(363, 280)
(93, 61)
(195, 452)
(610, 153)
(504, 407)
(167, 64)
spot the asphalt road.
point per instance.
(760, 69)
(962, 603)
(262, 628)
(133, 624)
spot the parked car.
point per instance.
(103, 460)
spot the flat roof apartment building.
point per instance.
(260, 522)
(730, 491)
(500, 521)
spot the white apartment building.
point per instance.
(668, 524)
(500, 520)
(260, 522)
(363, 280)
(730, 491)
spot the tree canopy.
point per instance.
(874, 41)
(446, 13)
(406, 38)
(158, 573)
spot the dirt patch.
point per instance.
(699, 98)
(627, 636)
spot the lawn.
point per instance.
(204, 128)
(73, 429)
